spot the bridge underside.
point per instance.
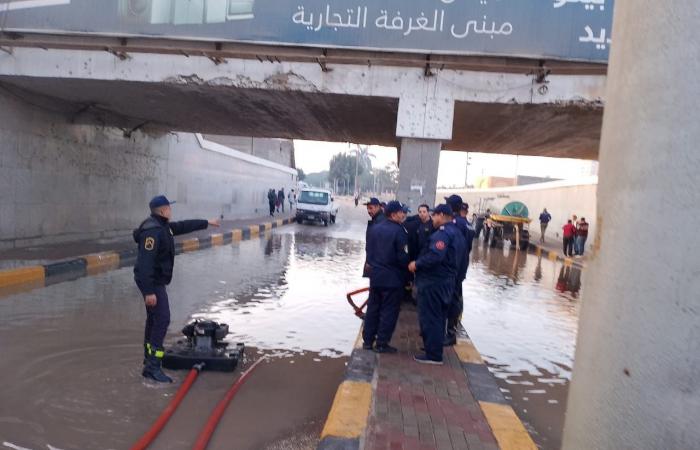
(569, 130)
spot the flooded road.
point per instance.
(521, 311)
(71, 353)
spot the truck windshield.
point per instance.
(314, 198)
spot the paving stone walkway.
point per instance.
(418, 406)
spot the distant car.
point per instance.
(316, 205)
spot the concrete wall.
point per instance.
(561, 198)
(277, 150)
(61, 182)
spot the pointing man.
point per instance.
(153, 272)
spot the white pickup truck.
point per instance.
(316, 205)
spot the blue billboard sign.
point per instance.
(578, 30)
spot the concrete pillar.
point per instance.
(424, 121)
(418, 171)
(636, 381)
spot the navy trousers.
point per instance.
(433, 304)
(157, 321)
(381, 315)
(454, 311)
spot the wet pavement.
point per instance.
(71, 352)
(48, 253)
(521, 311)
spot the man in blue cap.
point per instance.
(436, 272)
(153, 271)
(388, 257)
(454, 314)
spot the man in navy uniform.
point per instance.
(153, 272)
(436, 271)
(454, 314)
(388, 257)
(376, 216)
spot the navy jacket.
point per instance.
(460, 247)
(376, 220)
(469, 233)
(156, 250)
(439, 263)
(388, 255)
(418, 236)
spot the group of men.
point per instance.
(427, 254)
(574, 233)
(276, 200)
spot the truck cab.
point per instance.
(316, 205)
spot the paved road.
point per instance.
(71, 353)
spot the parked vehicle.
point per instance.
(316, 205)
(511, 225)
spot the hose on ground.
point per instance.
(148, 438)
(218, 412)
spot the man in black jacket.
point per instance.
(153, 271)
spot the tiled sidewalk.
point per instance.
(423, 407)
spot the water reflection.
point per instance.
(304, 310)
(78, 385)
(522, 311)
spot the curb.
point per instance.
(23, 279)
(505, 424)
(555, 256)
(347, 419)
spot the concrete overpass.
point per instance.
(422, 94)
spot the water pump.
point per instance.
(203, 344)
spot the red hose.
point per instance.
(148, 438)
(215, 417)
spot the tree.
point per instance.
(342, 172)
(363, 158)
(301, 176)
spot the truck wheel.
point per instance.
(300, 220)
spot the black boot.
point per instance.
(451, 335)
(146, 352)
(153, 370)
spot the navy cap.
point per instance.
(453, 200)
(392, 207)
(158, 201)
(373, 201)
(465, 206)
(443, 209)
(405, 208)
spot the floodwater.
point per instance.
(521, 311)
(71, 353)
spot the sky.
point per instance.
(314, 156)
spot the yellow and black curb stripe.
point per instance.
(555, 256)
(348, 417)
(27, 278)
(506, 426)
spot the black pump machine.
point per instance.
(203, 344)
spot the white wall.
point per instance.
(561, 198)
(61, 182)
